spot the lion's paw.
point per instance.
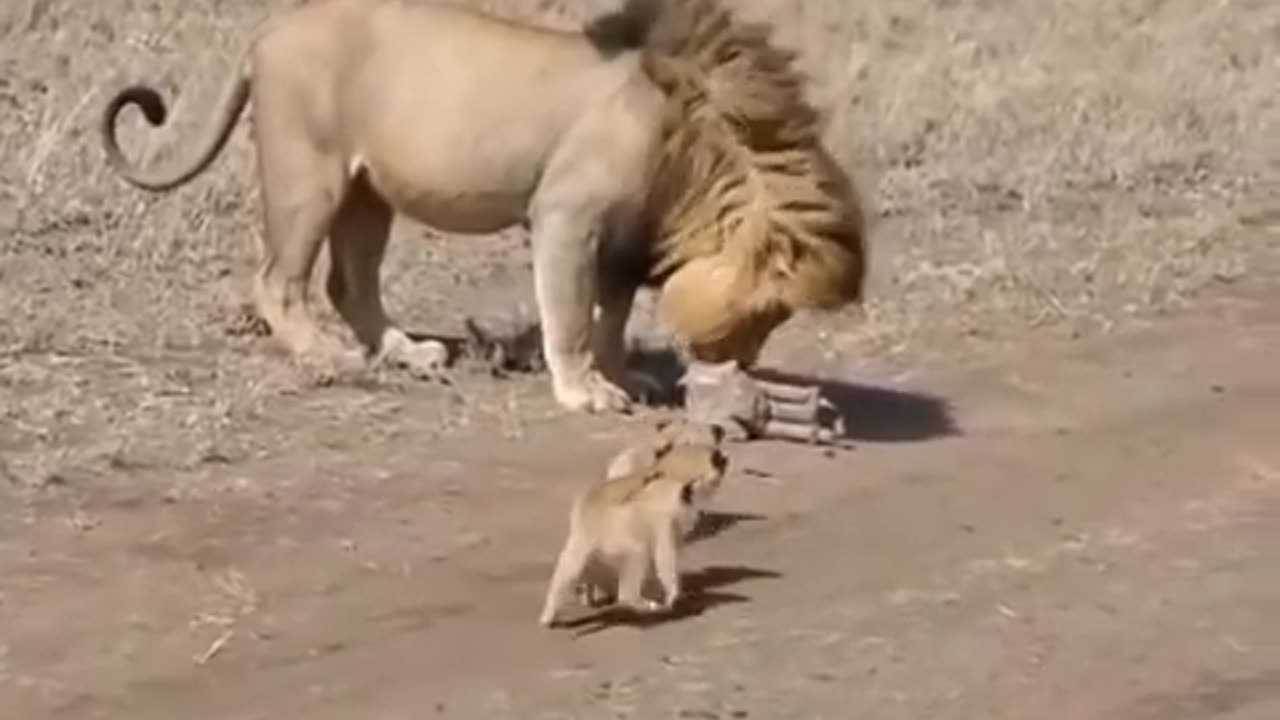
(594, 394)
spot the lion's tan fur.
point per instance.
(471, 123)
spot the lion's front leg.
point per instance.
(564, 280)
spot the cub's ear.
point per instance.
(717, 433)
(686, 493)
(719, 461)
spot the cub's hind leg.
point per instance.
(570, 564)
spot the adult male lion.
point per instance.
(663, 145)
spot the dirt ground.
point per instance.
(1060, 497)
(1087, 530)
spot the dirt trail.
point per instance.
(1083, 530)
(1076, 530)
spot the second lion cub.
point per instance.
(624, 525)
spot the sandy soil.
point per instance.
(1087, 530)
(1060, 498)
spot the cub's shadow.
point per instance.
(870, 413)
(711, 523)
(700, 591)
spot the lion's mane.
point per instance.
(751, 216)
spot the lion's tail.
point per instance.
(212, 139)
(657, 27)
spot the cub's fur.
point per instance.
(621, 527)
(666, 434)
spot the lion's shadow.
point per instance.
(870, 413)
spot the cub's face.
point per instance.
(699, 469)
(667, 434)
(673, 433)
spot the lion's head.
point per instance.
(752, 217)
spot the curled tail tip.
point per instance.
(145, 98)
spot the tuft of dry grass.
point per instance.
(1029, 164)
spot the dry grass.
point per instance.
(1030, 164)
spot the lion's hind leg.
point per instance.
(357, 244)
(302, 186)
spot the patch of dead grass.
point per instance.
(1028, 164)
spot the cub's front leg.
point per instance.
(666, 543)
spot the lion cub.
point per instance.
(667, 434)
(627, 523)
